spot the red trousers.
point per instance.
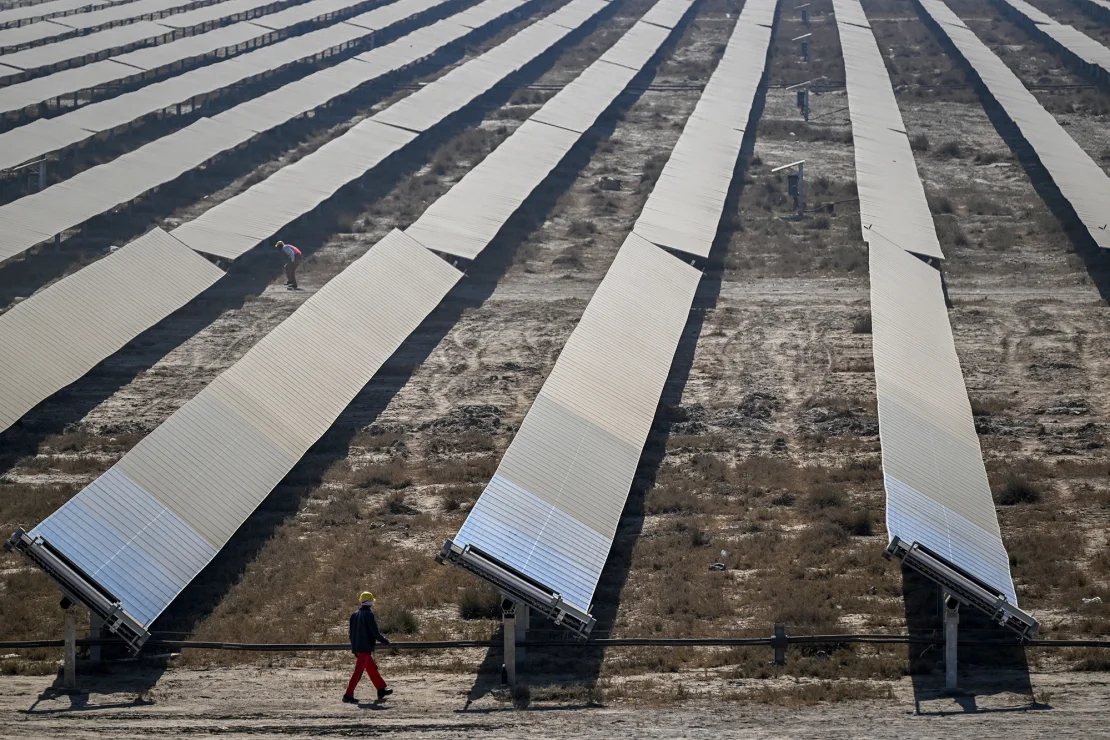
(365, 662)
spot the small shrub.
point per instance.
(862, 324)
(950, 150)
(1017, 489)
(919, 143)
(825, 497)
(397, 619)
(479, 601)
(989, 157)
(819, 223)
(580, 229)
(940, 204)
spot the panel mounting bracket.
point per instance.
(79, 587)
(962, 586)
(517, 586)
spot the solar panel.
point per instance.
(62, 332)
(145, 528)
(218, 456)
(1082, 47)
(80, 46)
(940, 513)
(166, 155)
(46, 135)
(20, 35)
(47, 10)
(542, 529)
(1079, 178)
(892, 200)
(684, 218)
(237, 225)
(552, 508)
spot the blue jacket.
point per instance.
(364, 631)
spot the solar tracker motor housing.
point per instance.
(78, 586)
(517, 586)
(962, 586)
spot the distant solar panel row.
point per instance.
(37, 217)
(892, 200)
(48, 10)
(1084, 48)
(22, 385)
(543, 527)
(43, 136)
(936, 484)
(102, 42)
(1079, 178)
(1100, 7)
(145, 528)
(105, 17)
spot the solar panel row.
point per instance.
(543, 527)
(892, 200)
(43, 136)
(105, 17)
(164, 29)
(201, 473)
(1089, 52)
(1078, 177)
(104, 287)
(37, 217)
(235, 226)
(48, 10)
(936, 484)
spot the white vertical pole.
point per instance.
(951, 631)
(69, 670)
(42, 174)
(508, 617)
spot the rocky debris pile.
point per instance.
(835, 421)
(1070, 407)
(481, 417)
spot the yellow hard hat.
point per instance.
(366, 596)
(279, 244)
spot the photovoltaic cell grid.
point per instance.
(47, 10)
(145, 528)
(1079, 178)
(99, 287)
(1083, 47)
(892, 200)
(552, 508)
(39, 216)
(936, 484)
(46, 135)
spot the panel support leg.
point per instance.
(42, 175)
(508, 621)
(96, 632)
(69, 670)
(523, 617)
(951, 632)
(779, 643)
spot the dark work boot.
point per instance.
(382, 693)
(348, 699)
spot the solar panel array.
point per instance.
(1079, 178)
(892, 200)
(38, 217)
(46, 135)
(78, 22)
(937, 493)
(1100, 7)
(99, 286)
(552, 508)
(148, 525)
(1070, 39)
(104, 42)
(55, 8)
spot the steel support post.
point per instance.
(96, 632)
(508, 620)
(523, 617)
(951, 632)
(780, 643)
(69, 670)
(801, 190)
(42, 174)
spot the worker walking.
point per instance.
(295, 257)
(364, 635)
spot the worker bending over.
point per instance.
(295, 258)
(364, 635)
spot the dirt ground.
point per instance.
(255, 703)
(764, 455)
